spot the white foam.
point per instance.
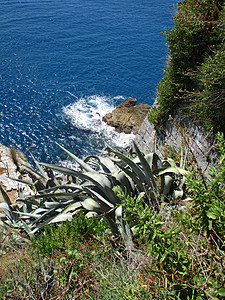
(87, 113)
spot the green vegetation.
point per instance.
(194, 77)
(131, 225)
(178, 245)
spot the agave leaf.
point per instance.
(71, 186)
(33, 171)
(103, 184)
(36, 227)
(7, 210)
(10, 213)
(31, 201)
(133, 177)
(99, 180)
(157, 162)
(61, 218)
(105, 204)
(82, 164)
(171, 162)
(166, 182)
(176, 170)
(61, 196)
(105, 162)
(150, 180)
(28, 215)
(50, 213)
(39, 185)
(5, 197)
(126, 184)
(42, 172)
(124, 228)
(91, 214)
(66, 171)
(149, 159)
(177, 194)
(112, 224)
(136, 169)
(52, 181)
(40, 210)
(92, 205)
(22, 181)
(27, 229)
(53, 204)
(5, 206)
(72, 207)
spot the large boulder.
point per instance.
(127, 116)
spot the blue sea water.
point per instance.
(65, 63)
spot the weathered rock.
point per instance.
(127, 116)
(11, 162)
(179, 131)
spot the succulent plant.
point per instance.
(92, 187)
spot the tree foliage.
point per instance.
(194, 75)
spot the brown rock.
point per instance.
(11, 166)
(127, 116)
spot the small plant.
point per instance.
(70, 233)
(209, 200)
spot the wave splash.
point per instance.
(87, 113)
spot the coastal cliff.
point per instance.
(190, 104)
(176, 133)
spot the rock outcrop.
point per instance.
(179, 131)
(127, 117)
(11, 166)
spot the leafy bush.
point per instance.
(209, 200)
(194, 74)
(209, 105)
(70, 234)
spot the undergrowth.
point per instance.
(179, 251)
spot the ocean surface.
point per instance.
(65, 63)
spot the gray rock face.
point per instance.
(177, 131)
(127, 117)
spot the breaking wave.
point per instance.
(87, 113)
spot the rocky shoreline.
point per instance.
(126, 117)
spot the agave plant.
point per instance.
(34, 212)
(92, 188)
(151, 175)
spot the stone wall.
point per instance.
(177, 131)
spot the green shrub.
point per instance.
(69, 234)
(195, 69)
(209, 200)
(209, 105)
